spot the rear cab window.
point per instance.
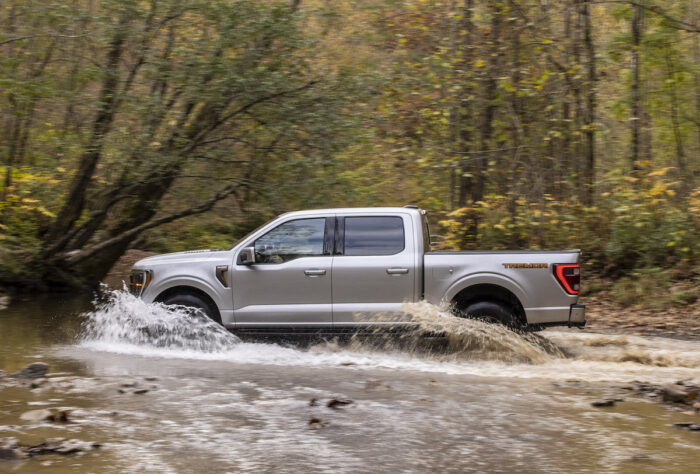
(373, 235)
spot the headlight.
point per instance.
(139, 280)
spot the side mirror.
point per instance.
(246, 256)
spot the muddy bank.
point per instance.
(606, 316)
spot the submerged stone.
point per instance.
(673, 393)
(42, 414)
(35, 370)
(316, 423)
(10, 449)
(689, 425)
(603, 403)
(337, 403)
(45, 414)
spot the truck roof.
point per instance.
(341, 210)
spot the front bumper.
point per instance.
(577, 315)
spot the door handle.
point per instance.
(312, 272)
(397, 271)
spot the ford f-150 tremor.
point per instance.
(341, 269)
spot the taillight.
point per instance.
(569, 276)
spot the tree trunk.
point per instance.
(636, 92)
(590, 112)
(696, 83)
(490, 106)
(75, 201)
(678, 137)
(464, 136)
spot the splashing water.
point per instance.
(125, 319)
(439, 335)
(474, 339)
(125, 324)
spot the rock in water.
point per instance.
(603, 403)
(4, 301)
(10, 454)
(316, 423)
(673, 393)
(337, 403)
(38, 383)
(689, 425)
(10, 449)
(46, 415)
(35, 370)
(37, 415)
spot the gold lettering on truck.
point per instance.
(525, 265)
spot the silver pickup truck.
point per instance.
(342, 269)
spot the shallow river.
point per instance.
(481, 400)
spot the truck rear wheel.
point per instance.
(489, 312)
(192, 301)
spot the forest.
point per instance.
(168, 125)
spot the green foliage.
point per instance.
(480, 116)
(652, 287)
(637, 224)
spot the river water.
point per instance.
(481, 399)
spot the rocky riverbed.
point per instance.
(98, 393)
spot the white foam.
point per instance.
(126, 325)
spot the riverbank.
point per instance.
(605, 315)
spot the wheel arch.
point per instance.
(187, 290)
(489, 292)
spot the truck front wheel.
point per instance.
(192, 301)
(489, 312)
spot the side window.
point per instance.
(293, 239)
(374, 235)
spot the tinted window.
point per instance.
(293, 239)
(373, 235)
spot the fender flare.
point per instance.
(489, 279)
(191, 281)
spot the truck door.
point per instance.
(373, 268)
(290, 282)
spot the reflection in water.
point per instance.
(169, 392)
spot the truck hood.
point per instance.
(190, 256)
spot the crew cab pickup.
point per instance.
(341, 269)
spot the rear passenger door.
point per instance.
(373, 268)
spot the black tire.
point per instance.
(490, 312)
(192, 301)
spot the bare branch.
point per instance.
(20, 38)
(679, 24)
(77, 256)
